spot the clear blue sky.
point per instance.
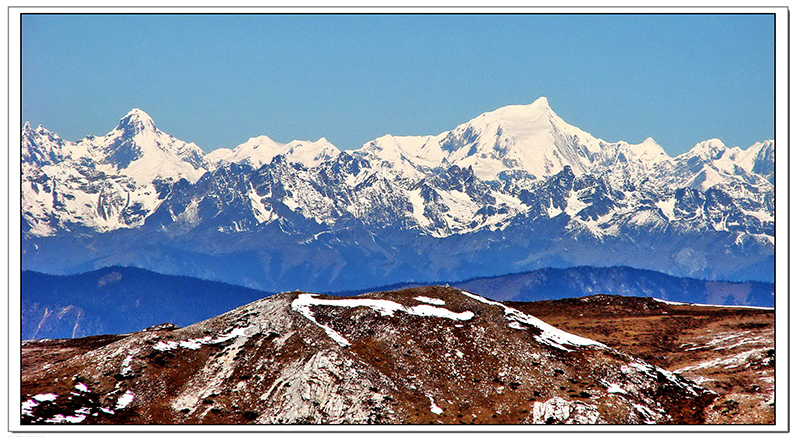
(218, 80)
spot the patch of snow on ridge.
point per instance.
(430, 300)
(46, 397)
(678, 380)
(710, 305)
(126, 365)
(667, 207)
(435, 409)
(432, 311)
(28, 406)
(125, 400)
(615, 388)
(196, 343)
(549, 335)
(238, 331)
(728, 362)
(303, 303)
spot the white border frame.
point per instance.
(11, 163)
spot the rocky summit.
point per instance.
(416, 356)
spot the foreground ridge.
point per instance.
(422, 355)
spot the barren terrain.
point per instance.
(424, 355)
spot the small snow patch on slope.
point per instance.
(559, 410)
(435, 409)
(553, 211)
(615, 388)
(430, 300)
(715, 306)
(549, 335)
(303, 303)
(28, 406)
(46, 397)
(418, 207)
(667, 207)
(195, 343)
(125, 400)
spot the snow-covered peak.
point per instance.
(404, 155)
(136, 121)
(537, 110)
(530, 138)
(261, 150)
(707, 150)
(646, 152)
(42, 147)
(135, 148)
(541, 101)
(759, 158)
(519, 116)
(28, 130)
(650, 142)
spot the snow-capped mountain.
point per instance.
(135, 148)
(527, 138)
(102, 183)
(261, 150)
(512, 189)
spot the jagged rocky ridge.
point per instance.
(518, 185)
(425, 355)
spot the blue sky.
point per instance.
(219, 79)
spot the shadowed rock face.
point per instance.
(423, 355)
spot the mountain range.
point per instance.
(508, 191)
(551, 283)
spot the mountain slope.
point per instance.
(583, 281)
(580, 281)
(117, 300)
(429, 355)
(728, 350)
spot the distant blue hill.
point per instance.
(553, 283)
(116, 300)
